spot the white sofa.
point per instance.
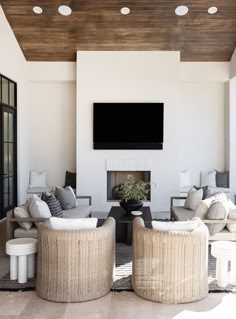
(15, 231)
(179, 213)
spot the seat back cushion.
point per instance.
(208, 178)
(23, 212)
(72, 224)
(232, 215)
(38, 179)
(218, 210)
(66, 197)
(189, 225)
(53, 204)
(193, 199)
(39, 209)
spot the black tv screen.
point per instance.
(128, 125)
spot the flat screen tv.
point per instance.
(128, 126)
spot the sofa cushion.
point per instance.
(38, 179)
(66, 197)
(70, 179)
(204, 189)
(208, 178)
(39, 209)
(218, 210)
(193, 198)
(22, 233)
(224, 234)
(23, 212)
(75, 224)
(232, 215)
(53, 204)
(82, 211)
(222, 179)
(189, 225)
(180, 213)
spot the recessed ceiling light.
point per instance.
(125, 10)
(37, 10)
(181, 10)
(64, 10)
(212, 10)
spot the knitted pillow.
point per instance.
(53, 204)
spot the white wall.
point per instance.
(127, 77)
(233, 65)
(14, 66)
(194, 134)
(53, 119)
(202, 117)
(46, 112)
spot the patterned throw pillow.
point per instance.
(53, 204)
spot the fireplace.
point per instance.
(116, 178)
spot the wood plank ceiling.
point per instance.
(99, 25)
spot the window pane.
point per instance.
(12, 94)
(11, 159)
(6, 159)
(11, 191)
(4, 91)
(5, 193)
(10, 127)
(6, 124)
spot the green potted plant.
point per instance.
(133, 193)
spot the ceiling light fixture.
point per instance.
(181, 10)
(65, 10)
(125, 10)
(37, 10)
(212, 10)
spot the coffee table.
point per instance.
(124, 222)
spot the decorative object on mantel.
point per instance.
(133, 193)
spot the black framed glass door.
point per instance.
(8, 146)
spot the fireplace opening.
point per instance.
(116, 178)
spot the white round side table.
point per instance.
(22, 253)
(224, 251)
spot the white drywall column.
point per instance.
(232, 134)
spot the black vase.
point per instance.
(131, 205)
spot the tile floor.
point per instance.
(27, 305)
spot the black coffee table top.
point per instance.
(121, 216)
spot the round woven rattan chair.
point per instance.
(170, 267)
(75, 265)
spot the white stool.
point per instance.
(224, 251)
(22, 252)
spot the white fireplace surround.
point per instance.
(127, 164)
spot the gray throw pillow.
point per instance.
(66, 197)
(218, 210)
(53, 204)
(222, 179)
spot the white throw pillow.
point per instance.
(38, 179)
(208, 178)
(204, 205)
(39, 209)
(23, 212)
(72, 224)
(184, 177)
(188, 225)
(232, 215)
(193, 198)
